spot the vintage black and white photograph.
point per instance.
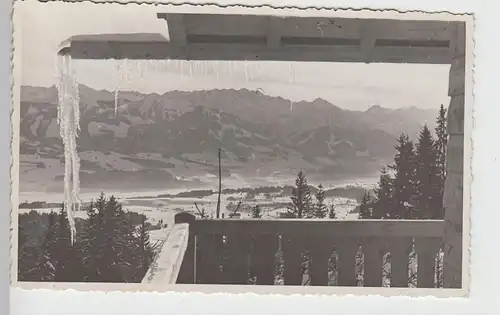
(160, 146)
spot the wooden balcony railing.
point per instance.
(232, 251)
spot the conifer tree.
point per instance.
(145, 250)
(89, 255)
(428, 190)
(301, 206)
(364, 207)
(63, 248)
(120, 232)
(320, 210)
(331, 211)
(383, 205)
(25, 258)
(99, 254)
(403, 183)
(256, 212)
(111, 247)
(47, 263)
(441, 145)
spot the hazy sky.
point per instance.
(355, 86)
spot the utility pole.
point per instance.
(220, 186)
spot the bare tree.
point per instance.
(203, 214)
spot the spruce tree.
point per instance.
(89, 255)
(119, 232)
(428, 190)
(63, 249)
(301, 206)
(24, 259)
(46, 268)
(101, 242)
(144, 250)
(403, 183)
(320, 210)
(441, 146)
(364, 207)
(383, 206)
(331, 211)
(256, 212)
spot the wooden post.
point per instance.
(220, 186)
(453, 191)
(187, 271)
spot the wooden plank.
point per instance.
(236, 268)
(428, 55)
(346, 250)
(401, 29)
(266, 247)
(274, 32)
(223, 24)
(456, 84)
(313, 26)
(326, 228)
(400, 249)
(321, 27)
(373, 251)
(320, 249)
(427, 249)
(455, 151)
(209, 264)
(367, 40)
(235, 50)
(292, 250)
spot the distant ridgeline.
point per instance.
(349, 191)
(39, 205)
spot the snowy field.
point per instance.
(165, 209)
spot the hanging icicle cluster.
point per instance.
(68, 118)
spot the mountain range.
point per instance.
(172, 140)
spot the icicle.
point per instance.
(291, 105)
(291, 74)
(216, 66)
(246, 71)
(68, 119)
(117, 87)
(142, 69)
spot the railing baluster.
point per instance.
(400, 250)
(346, 249)
(373, 251)
(209, 266)
(264, 258)
(236, 271)
(253, 243)
(427, 249)
(292, 251)
(320, 249)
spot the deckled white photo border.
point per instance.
(19, 21)
(400, 5)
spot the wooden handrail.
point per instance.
(313, 227)
(167, 264)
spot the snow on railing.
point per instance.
(166, 266)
